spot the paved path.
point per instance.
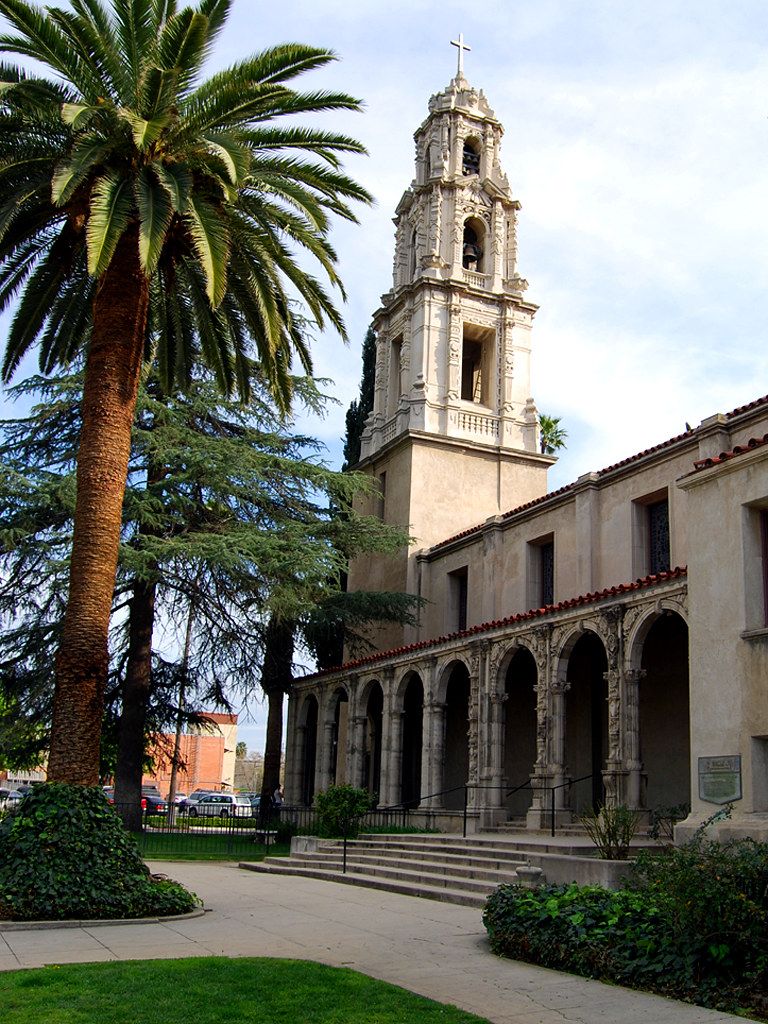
(436, 949)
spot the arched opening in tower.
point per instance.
(470, 161)
(472, 252)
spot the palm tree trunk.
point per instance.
(109, 402)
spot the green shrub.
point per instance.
(664, 819)
(611, 829)
(65, 855)
(692, 924)
(342, 808)
(715, 896)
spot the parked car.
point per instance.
(109, 793)
(153, 803)
(193, 799)
(222, 805)
(178, 799)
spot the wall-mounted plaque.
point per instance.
(720, 778)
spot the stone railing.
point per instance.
(477, 280)
(477, 425)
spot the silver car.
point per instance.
(221, 805)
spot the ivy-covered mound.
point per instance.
(65, 855)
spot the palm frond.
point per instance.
(111, 204)
(210, 239)
(155, 215)
(136, 33)
(183, 45)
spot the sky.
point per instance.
(636, 140)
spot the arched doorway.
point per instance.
(520, 730)
(309, 752)
(586, 721)
(456, 749)
(665, 748)
(374, 716)
(413, 717)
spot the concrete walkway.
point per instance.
(436, 949)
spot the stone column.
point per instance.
(475, 795)
(294, 755)
(548, 769)
(391, 733)
(614, 773)
(324, 770)
(356, 750)
(453, 371)
(632, 762)
(433, 753)
(496, 776)
(432, 736)
(557, 773)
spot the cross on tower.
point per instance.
(462, 47)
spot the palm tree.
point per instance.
(551, 435)
(150, 214)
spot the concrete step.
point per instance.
(461, 858)
(442, 893)
(517, 845)
(405, 873)
(445, 867)
(380, 865)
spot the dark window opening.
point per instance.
(472, 253)
(547, 554)
(472, 371)
(658, 531)
(470, 163)
(459, 593)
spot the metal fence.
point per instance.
(176, 834)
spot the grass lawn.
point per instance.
(206, 846)
(212, 990)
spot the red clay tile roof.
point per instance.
(647, 451)
(534, 613)
(747, 408)
(740, 449)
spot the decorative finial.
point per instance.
(462, 47)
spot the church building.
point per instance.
(605, 642)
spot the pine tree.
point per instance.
(360, 408)
(230, 522)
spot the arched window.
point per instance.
(470, 162)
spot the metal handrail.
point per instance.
(561, 785)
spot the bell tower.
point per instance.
(453, 436)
